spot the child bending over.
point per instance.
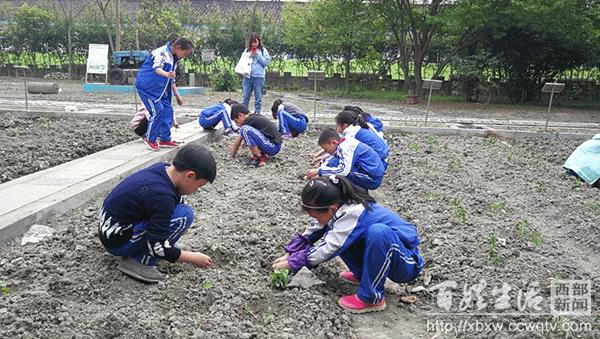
(374, 242)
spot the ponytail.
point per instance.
(366, 116)
(322, 192)
(351, 118)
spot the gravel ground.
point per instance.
(34, 144)
(461, 192)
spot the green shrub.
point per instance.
(224, 81)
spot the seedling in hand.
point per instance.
(280, 278)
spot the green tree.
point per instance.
(413, 26)
(342, 28)
(533, 40)
(33, 31)
(157, 23)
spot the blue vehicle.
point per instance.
(123, 60)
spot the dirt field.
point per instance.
(33, 144)
(501, 211)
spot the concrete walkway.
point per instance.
(36, 197)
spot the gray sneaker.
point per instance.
(134, 269)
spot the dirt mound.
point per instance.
(461, 192)
(34, 144)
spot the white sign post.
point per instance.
(97, 61)
(551, 87)
(430, 85)
(315, 76)
(24, 69)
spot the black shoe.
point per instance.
(254, 161)
(136, 270)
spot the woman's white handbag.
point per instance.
(244, 66)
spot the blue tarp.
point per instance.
(585, 160)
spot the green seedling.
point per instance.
(558, 323)
(536, 238)
(5, 290)
(432, 195)
(492, 250)
(498, 206)
(433, 175)
(458, 211)
(208, 284)
(414, 147)
(491, 140)
(454, 165)
(578, 182)
(523, 225)
(432, 140)
(267, 318)
(541, 186)
(593, 207)
(280, 278)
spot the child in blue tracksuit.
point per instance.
(210, 117)
(375, 124)
(374, 242)
(350, 158)
(351, 125)
(258, 133)
(144, 215)
(155, 84)
(291, 120)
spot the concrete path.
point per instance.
(36, 197)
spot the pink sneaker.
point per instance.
(353, 304)
(349, 277)
(286, 136)
(170, 144)
(151, 145)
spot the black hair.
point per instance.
(322, 192)
(230, 102)
(351, 118)
(275, 106)
(192, 157)
(255, 37)
(327, 135)
(238, 109)
(183, 42)
(358, 110)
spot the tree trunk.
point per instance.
(347, 57)
(70, 48)
(118, 25)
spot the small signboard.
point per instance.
(553, 87)
(97, 61)
(208, 55)
(432, 84)
(316, 75)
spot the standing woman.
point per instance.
(256, 81)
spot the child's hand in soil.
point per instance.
(312, 173)
(282, 258)
(196, 258)
(281, 265)
(317, 161)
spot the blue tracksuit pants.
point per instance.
(137, 246)
(213, 120)
(381, 255)
(288, 123)
(254, 137)
(161, 116)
